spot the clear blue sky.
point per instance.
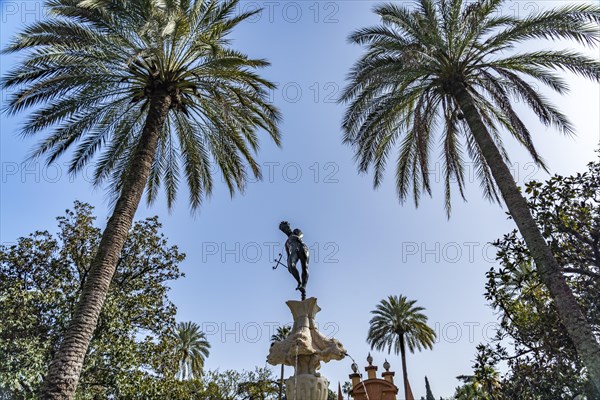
(365, 245)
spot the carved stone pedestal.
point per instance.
(304, 349)
(306, 387)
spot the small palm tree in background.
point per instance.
(471, 391)
(153, 93)
(281, 333)
(191, 350)
(398, 324)
(482, 386)
(449, 66)
(346, 388)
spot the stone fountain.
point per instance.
(304, 349)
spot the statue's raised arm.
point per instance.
(284, 227)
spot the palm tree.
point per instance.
(139, 87)
(281, 333)
(448, 64)
(191, 350)
(471, 391)
(398, 324)
(482, 386)
(346, 388)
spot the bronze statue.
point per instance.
(296, 250)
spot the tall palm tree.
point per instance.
(399, 324)
(139, 87)
(449, 64)
(191, 350)
(281, 333)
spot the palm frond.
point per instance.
(91, 68)
(398, 319)
(401, 92)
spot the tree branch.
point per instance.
(582, 272)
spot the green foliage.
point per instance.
(131, 355)
(214, 385)
(402, 91)
(346, 388)
(191, 349)
(40, 279)
(541, 358)
(331, 395)
(471, 391)
(259, 384)
(484, 384)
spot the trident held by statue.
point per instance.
(278, 262)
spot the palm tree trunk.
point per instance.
(65, 368)
(565, 302)
(281, 382)
(404, 371)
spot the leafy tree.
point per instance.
(141, 86)
(542, 359)
(214, 385)
(398, 323)
(191, 349)
(259, 384)
(485, 383)
(281, 333)
(448, 64)
(331, 395)
(233, 385)
(471, 391)
(221, 385)
(428, 393)
(41, 277)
